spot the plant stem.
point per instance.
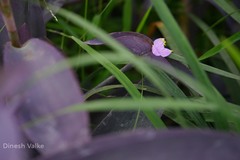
(7, 14)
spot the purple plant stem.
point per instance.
(7, 14)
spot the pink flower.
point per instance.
(158, 48)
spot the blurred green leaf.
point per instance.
(215, 50)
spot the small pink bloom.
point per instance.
(158, 48)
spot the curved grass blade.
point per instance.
(153, 117)
(109, 87)
(184, 47)
(123, 52)
(213, 51)
(181, 41)
(229, 8)
(127, 15)
(208, 68)
(144, 19)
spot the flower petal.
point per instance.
(159, 42)
(166, 52)
(158, 48)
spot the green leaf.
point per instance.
(213, 51)
(127, 15)
(229, 8)
(181, 41)
(132, 90)
(208, 68)
(144, 19)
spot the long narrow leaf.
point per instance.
(181, 41)
(213, 51)
(229, 8)
(153, 117)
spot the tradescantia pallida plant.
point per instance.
(27, 95)
(23, 101)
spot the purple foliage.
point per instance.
(29, 14)
(10, 135)
(135, 42)
(3, 37)
(45, 96)
(30, 18)
(29, 21)
(162, 145)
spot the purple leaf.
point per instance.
(24, 33)
(116, 121)
(46, 96)
(19, 9)
(3, 37)
(135, 42)
(28, 16)
(35, 20)
(10, 132)
(163, 145)
(29, 13)
(10, 135)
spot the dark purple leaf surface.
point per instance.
(10, 134)
(45, 96)
(135, 42)
(35, 19)
(115, 122)
(163, 145)
(3, 37)
(29, 21)
(24, 33)
(10, 131)
(29, 13)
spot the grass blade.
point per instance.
(229, 8)
(181, 41)
(144, 19)
(213, 51)
(132, 90)
(127, 15)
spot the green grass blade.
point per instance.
(222, 115)
(119, 104)
(209, 68)
(127, 15)
(185, 48)
(229, 8)
(132, 90)
(213, 51)
(234, 53)
(136, 61)
(79, 21)
(116, 86)
(232, 86)
(2, 27)
(215, 40)
(180, 40)
(211, 93)
(144, 19)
